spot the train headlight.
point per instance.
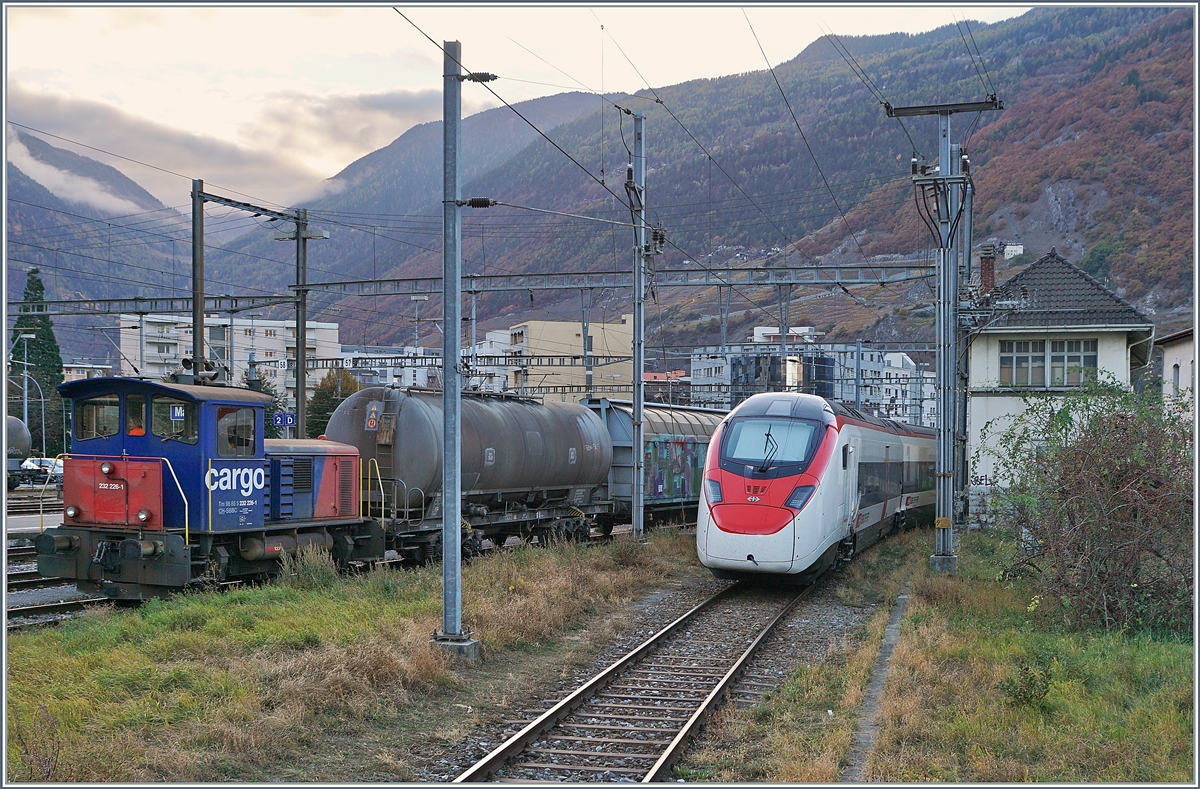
(800, 497)
(143, 515)
(713, 489)
(71, 511)
(106, 468)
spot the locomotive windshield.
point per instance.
(767, 442)
(174, 419)
(98, 417)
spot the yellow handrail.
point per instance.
(382, 496)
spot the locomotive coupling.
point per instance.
(141, 549)
(47, 544)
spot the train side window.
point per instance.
(235, 432)
(174, 419)
(135, 415)
(98, 417)
(845, 456)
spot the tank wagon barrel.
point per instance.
(19, 444)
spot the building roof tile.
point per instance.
(1054, 292)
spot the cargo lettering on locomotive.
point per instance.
(245, 480)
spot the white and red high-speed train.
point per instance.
(792, 482)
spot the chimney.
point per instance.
(987, 269)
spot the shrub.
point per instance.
(1101, 492)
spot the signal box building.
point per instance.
(1051, 328)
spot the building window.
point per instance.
(1022, 363)
(268, 332)
(1175, 379)
(1072, 362)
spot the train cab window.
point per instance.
(98, 417)
(174, 419)
(845, 456)
(235, 432)
(770, 441)
(135, 415)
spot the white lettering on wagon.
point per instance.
(243, 480)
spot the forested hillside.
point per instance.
(1092, 154)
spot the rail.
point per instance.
(594, 693)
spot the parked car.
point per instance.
(44, 466)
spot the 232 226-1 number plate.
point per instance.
(109, 486)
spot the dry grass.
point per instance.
(220, 686)
(978, 691)
(792, 737)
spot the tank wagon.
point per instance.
(528, 468)
(792, 483)
(18, 444)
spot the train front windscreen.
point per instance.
(765, 444)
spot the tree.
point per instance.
(45, 367)
(278, 405)
(1101, 493)
(333, 389)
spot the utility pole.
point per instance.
(858, 374)
(585, 296)
(25, 338)
(635, 187)
(452, 636)
(785, 303)
(197, 279)
(943, 199)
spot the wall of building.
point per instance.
(1179, 358)
(565, 338)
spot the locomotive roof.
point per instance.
(89, 387)
(304, 446)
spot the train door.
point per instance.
(850, 497)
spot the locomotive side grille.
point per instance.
(345, 486)
(303, 475)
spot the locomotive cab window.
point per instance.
(135, 415)
(98, 417)
(235, 432)
(174, 419)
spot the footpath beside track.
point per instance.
(631, 721)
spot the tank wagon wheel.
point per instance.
(604, 528)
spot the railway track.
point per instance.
(631, 721)
(21, 554)
(28, 613)
(30, 579)
(33, 506)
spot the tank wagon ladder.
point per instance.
(644, 708)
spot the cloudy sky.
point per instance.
(269, 101)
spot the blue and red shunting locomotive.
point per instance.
(171, 487)
(793, 482)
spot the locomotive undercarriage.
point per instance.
(124, 564)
